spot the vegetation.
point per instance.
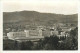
(30, 17)
(48, 43)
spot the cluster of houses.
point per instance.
(39, 33)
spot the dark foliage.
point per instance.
(26, 45)
(48, 43)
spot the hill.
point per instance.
(33, 17)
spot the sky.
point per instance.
(46, 6)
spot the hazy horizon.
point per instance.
(39, 12)
(57, 7)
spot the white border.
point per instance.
(39, 51)
(1, 27)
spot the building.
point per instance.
(32, 35)
(46, 33)
(63, 34)
(5, 36)
(54, 32)
(65, 29)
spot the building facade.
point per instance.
(25, 35)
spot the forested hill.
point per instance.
(27, 17)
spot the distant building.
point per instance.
(13, 30)
(14, 35)
(5, 36)
(26, 35)
(63, 34)
(7, 29)
(65, 29)
(72, 28)
(54, 32)
(46, 33)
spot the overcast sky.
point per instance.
(49, 6)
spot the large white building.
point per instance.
(26, 35)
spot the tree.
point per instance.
(71, 42)
(26, 45)
(48, 43)
(74, 36)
